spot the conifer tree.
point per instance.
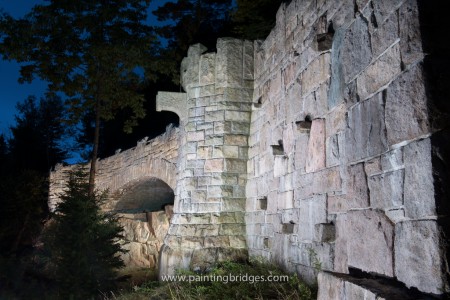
(83, 242)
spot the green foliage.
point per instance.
(317, 264)
(254, 19)
(293, 288)
(83, 242)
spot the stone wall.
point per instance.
(324, 148)
(154, 158)
(208, 222)
(143, 176)
(340, 170)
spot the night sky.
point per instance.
(11, 91)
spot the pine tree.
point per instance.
(83, 242)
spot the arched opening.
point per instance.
(148, 195)
(144, 210)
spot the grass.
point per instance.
(201, 289)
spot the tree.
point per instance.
(37, 137)
(83, 242)
(253, 19)
(188, 22)
(90, 50)
(34, 146)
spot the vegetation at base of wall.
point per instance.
(293, 288)
(83, 243)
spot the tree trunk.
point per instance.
(95, 149)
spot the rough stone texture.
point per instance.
(213, 158)
(316, 147)
(406, 107)
(418, 256)
(154, 158)
(175, 102)
(356, 52)
(379, 73)
(366, 134)
(346, 287)
(370, 231)
(309, 155)
(419, 187)
(143, 237)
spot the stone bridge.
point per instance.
(324, 148)
(140, 183)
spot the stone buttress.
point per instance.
(208, 223)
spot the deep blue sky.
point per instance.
(11, 91)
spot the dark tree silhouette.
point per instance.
(83, 242)
(253, 19)
(88, 49)
(188, 22)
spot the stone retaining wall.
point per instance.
(341, 148)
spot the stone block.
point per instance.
(229, 63)
(330, 287)
(315, 104)
(383, 8)
(207, 68)
(232, 229)
(316, 146)
(372, 166)
(336, 120)
(406, 107)
(233, 204)
(410, 32)
(380, 73)
(215, 116)
(174, 102)
(356, 50)
(301, 147)
(280, 167)
(370, 241)
(356, 191)
(366, 135)
(333, 150)
(327, 180)
(235, 139)
(285, 200)
(392, 160)
(386, 190)
(385, 35)
(248, 64)
(312, 211)
(316, 73)
(233, 165)
(240, 116)
(419, 184)
(190, 66)
(325, 232)
(418, 256)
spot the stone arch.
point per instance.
(145, 194)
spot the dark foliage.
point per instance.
(89, 50)
(189, 22)
(254, 19)
(83, 242)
